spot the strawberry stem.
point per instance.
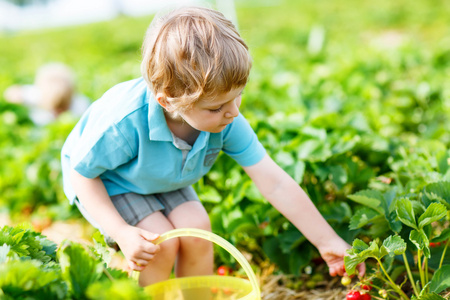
(443, 253)
(392, 283)
(411, 278)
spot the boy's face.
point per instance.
(213, 115)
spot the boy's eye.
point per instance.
(216, 110)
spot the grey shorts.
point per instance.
(135, 207)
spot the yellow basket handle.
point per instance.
(207, 235)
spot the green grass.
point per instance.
(105, 53)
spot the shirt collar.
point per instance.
(157, 124)
(159, 130)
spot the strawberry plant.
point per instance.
(405, 265)
(32, 267)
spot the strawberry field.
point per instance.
(351, 98)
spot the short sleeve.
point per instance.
(93, 157)
(241, 143)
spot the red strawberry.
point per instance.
(222, 271)
(353, 295)
(365, 296)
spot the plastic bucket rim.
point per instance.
(239, 285)
(207, 235)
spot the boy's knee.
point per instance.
(197, 245)
(170, 247)
(201, 222)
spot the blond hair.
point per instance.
(56, 83)
(193, 52)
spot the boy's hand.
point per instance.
(333, 253)
(136, 244)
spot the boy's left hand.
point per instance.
(333, 253)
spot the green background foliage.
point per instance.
(351, 98)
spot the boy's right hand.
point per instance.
(136, 244)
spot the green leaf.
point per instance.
(441, 279)
(420, 240)
(394, 224)
(122, 289)
(431, 296)
(405, 212)
(354, 256)
(245, 224)
(344, 145)
(418, 207)
(351, 262)
(338, 176)
(442, 159)
(321, 171)
(359, 246)
(362, 217)
(434, 212)
(379, 227)
(360, 251)
(373, 251)
(370, 198)
(12, 237)
(296, 171)
(299, 258)
(79, 268)
(284, 159)
(376, 251)
(440, 189)
(272, 249)
(210, 194)
(28, 244)
(336, 212)
(288, 239)
(299, 171)
(30, 279)
(317, 133)
(395, 245)
(390, 199)
(313, 151)
(388, 262)
(100, 248)
(48, 246)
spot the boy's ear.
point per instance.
(164, 102)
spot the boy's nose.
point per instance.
(233, 110)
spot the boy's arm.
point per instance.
(290, 200)
(135, 243)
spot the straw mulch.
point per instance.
(271, 289)
(279, 287)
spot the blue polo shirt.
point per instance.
(123, 138)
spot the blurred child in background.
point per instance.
(51, 94)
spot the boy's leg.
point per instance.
(160, 267)
(144, 211)
(195, 256)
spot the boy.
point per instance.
(130, 161)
